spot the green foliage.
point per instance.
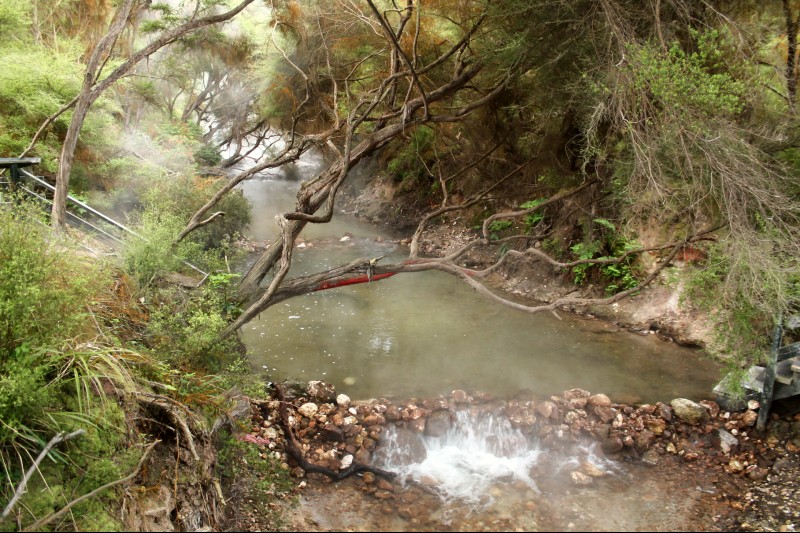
(408, 164)
(743, 298)
(43, 289)
(14, 17)
(189, 333)
(49, 376)
(533, 219)
(619, 276)
(695, 81)
(181, 197)
(498, 226)
(153, 255)
(207, 155)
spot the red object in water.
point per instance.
(353, 281)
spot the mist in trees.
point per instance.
(668, 110)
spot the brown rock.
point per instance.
(385, 485)
(749, 418)
(644, 440)
(547, 409)
(576, 393)
(438, 423)
(459, 396)
(331, 433)
(392, 413)
(599, 400)
(580, 479)
(611, 444)
(656, 425)
(374, 420)
(605, 413)
(416, 425)
(578, 403)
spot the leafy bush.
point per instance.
(50, 375)
(618, 276)
(189, 332)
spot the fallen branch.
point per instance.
(61, 437)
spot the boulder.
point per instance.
(321, 392)
(690, 412)
(308, 410)
(439, 423)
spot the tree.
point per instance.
(93, 86)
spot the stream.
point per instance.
(425, 334)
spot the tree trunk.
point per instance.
(93, 68)
(92, 88)
(791, 55)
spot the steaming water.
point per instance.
(426, 333)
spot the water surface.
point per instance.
(422, 334)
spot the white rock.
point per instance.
(352, 411)
(343, 400)
(347, 460)
(308, 410)
(350, 420)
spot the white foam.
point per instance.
(475, 454)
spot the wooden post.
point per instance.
(769, 378)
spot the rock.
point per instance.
(406, 449)
(664, 411)
(749, 417)
(671, 448)
(363, 456)
(459, 396)
(343, 400)
(385, 485)
(689, 411)
(580, 479)
(417, 425)
(392, 413)
(651, 457)
(368, 477)
(644, 440)
(724, 441)
(331, 433)
(576, 393)
(605, 413)
(547, 409)
(298, 472)
(611, 444)
(591, 470)
(438, 423)
(713, 407)
(320, 391)
(374, 420)
(599, 400)
(578, 403)
(308, 410)
(347, 461)
(656, 425)
(735, 465)
(757, 474)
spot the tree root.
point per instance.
(294, 450)
(183, 419)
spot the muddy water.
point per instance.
(423, 334)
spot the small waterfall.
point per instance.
(475, 453)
